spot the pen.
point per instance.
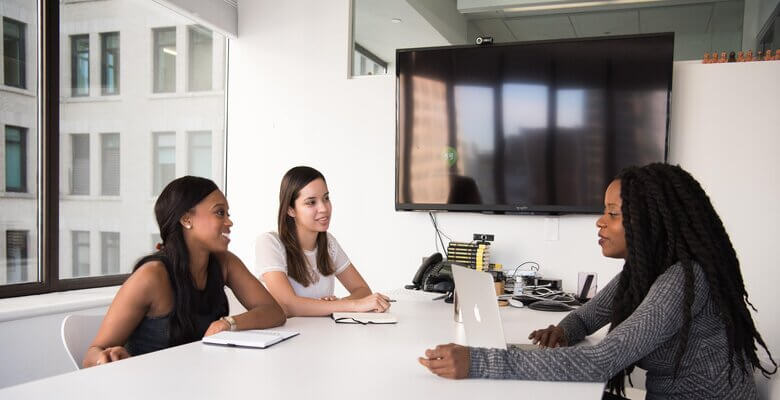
(391, 300)
(439, 297)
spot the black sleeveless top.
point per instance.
(152, 333)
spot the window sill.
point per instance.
(17, 195)
(87, 197)
(92, 99)
(12, 89)
(184, 95)
(24, 307)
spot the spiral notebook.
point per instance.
(257, 338)
(364, 318)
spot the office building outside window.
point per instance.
(80, 168)
(199, 153)
(14, 52)
(109, 253)
(15, 159)
(200, 58)
(164, 60)
(109, 63)
(79, 69)
(109, 163)
(164, 159)
(16, 256)
(80, 240)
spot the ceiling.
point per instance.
(699, 25)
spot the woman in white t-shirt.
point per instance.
(298, 263)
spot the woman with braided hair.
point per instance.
(678, 309)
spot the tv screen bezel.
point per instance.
(521, 209)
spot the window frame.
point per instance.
(22, 162)
(23, 50)
(104, 148)
(74, 58)
(73, 138)
(25, 251)
(157, 48)
(116, 53)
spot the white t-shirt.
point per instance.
(270, 256)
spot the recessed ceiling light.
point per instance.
(396, 20)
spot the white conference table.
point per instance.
(326, 361)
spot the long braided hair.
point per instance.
(669, 219)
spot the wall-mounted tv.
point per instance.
(529, 127)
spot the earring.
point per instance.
(188, 226)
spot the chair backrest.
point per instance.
(78, 331)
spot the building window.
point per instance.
(109, 63)
(16, 256)
(80, 241)
(109, 253)
(13, 52)
(200, 58)
(164, 60)
(199, 153)
(109, 162)
(164, 159)
(367, 63)
(80, 170)
(15, 159)
(79, 66)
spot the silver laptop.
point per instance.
(479, 310)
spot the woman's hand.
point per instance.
(375, 302)
(448, 361)
(216, 327)
(329, 298)
(552, 336)
(112, 354)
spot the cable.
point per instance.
(436, 228)
(534, 267)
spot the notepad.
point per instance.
(364, 318)
(258, 338)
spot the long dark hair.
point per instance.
(178, 197)
(669, 219)
(292, 183)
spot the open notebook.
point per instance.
(364, 318)
(259, 338)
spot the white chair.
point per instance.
(78, 331)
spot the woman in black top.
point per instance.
(177, 295)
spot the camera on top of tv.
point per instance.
(483, 40)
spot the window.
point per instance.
(199, 154)
(16, 256)
(164, 60)
(91, 238)
(13, 53)
(79, 66)
(109, 63)
(200, 58)
(109, 162)
(109, 253)
(366, 62)
(80, 253)
(164, 159)
(15, 159)
(80, 171)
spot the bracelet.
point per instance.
(230, 321)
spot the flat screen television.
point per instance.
(529, 127)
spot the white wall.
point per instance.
(32, 347)
(291, 103)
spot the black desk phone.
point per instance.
(434, 275)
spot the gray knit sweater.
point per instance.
(649, 337)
